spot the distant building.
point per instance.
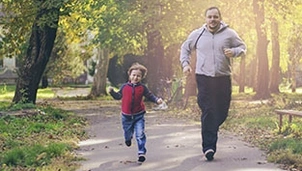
(8, 73)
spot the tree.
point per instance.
(243, 68)
(294, 44)
(116, 74)
(278, 11)
(275, 70)
(154, 54)
(115, 27)
(30, 29)
(56, 64)
(262, 91)
(295, 52)
(99, 86)
(242, 75)
(38, 51)
(14, 30)
(144, 28)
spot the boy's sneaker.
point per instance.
(141, 158)
(128, 143)
(209, 154)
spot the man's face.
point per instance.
(213, 20)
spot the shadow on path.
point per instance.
(172, 144)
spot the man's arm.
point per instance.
(187, 47)
(239, 47)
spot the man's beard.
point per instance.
(214, 27)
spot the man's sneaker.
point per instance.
(141, 158)
(209, 154)
(128, 143)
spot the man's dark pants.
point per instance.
(213, 98)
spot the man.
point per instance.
(215, 43)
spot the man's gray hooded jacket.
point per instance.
(211, 60)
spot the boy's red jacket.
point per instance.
(132, 97)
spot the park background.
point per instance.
(54, 43)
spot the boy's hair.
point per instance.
(137, 66)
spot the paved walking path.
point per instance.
(172, 144)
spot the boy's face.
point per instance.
(135, 76)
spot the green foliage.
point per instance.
(3, 89)
(20, 106)
(18, 18)
(38, 136)
(4, 105)
(33, 156)
(91, 69)
(287, 158)
(68, 58)
(291, 129)
(286, 151)
(296, 130)
(294, 145)
(7, 88)
(56, 114)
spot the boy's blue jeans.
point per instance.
(135, 124)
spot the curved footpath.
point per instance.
(172, 144)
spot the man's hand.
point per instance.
(187, 70)
(228, 52)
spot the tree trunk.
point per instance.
(242, 75)
(44, 82)
(293, 77)
(275, 71)
(38, 52)
(252, 79)
(171, 55)
(295, 53)
(294, 60)
(100, 77)
(262, 91)
(155, 56)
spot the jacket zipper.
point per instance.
(132, 102)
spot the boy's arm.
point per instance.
(150, 96)
(116, 95)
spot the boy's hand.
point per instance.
(159, 101)
(110, 88)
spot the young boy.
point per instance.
(133, 108)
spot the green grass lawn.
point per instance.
(43, 139)
(7, 93)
